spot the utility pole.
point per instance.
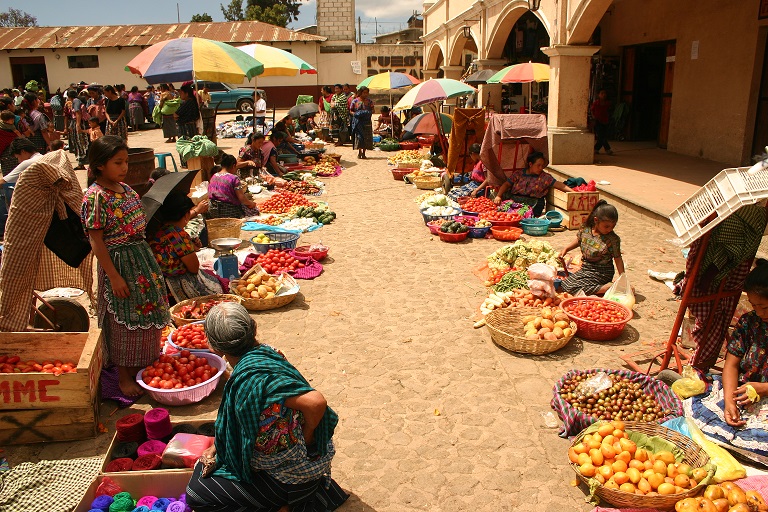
(178, 16)
(376, 24)
(359, 31)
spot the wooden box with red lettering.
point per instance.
(573, 220)
(42, 407)
(573, 201)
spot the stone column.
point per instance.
(569, 140)
(430, 73)
(489, 95)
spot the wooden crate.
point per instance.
(138, 485)
(45, 390)
(573, 201)
(40, 407)
(115, 442)
(573, 220)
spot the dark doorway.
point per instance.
(650, 61)
(760, 137)
(24, 69)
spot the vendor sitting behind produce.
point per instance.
(273, 435)
(226, 192)
(286, 126)
(269, 154)
(176, 251)
(388, 124)
(733, 412)
(283, 147)
(477, 182)
(307, 125)
(249, 162)
(530, 186)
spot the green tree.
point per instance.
(17, 18)
(277, 14)
(291, 8)
(201, 18)
(233, 11)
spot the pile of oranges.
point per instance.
(615, 461)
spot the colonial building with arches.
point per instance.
(690, 76)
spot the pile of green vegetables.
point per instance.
(522, 255)
(513, 280)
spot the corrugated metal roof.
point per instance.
(238, 32)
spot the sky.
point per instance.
(390, 16)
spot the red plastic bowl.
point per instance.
(506, 233)
(303, 252)
(398, 174)
(453, 237)
(434, 226)
(596, 331)
(409, 145)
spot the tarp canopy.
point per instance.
(503, 133)
(468, 128)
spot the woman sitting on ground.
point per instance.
(273, 437)
(530, 186)
(388, 124)
(226, 193)
(269, 154)
(176, 251)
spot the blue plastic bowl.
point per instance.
(479, 232)
(535, 227)
(280, 240)
(554, 218)
(428, 218)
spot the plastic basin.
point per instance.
(190, 395)
(453, 237)
(194, 350)
(535, 227)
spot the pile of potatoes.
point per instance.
(258, 285)
(550, 324)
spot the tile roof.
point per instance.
(237, 32)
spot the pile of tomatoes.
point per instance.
(479, 205)
(178, 372)
(190, 336)
(596, 311)
(14, 364)
(277, 262)
(283, 202)
(500, 217)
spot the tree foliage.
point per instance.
(17, 18)
(275, 12)
(201, 18)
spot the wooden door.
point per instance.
(627, 93)
(666, 97)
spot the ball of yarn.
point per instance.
(122, 504)
(125, 451)
(147, 462)
(123, 464)
(183, 428)
(130, 428)
(157, 423)
(207, 429)
(151, 446)
(176, 506)
(102, 502)
(147, 501)
(161, 504)
(141, 508)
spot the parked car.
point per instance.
(231, 98)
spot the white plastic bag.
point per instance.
(542, 280)
(621, 292)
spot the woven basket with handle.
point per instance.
(223, 228)
(427, 183)
(180, 320)
(693, 455)
(508, 331)
(273, 302)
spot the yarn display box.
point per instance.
(186, 471)
(156, 483)
(573, 201)
(41, 407)
(573, 220)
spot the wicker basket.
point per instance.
(179, 320)
(223, 228)
(597, 331)
(427, 183)
(272, 303)
(693, 455)
(506, 328)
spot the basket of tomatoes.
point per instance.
(183, 379)
(190, 337)
(283, 202)
(475, 205)
(502, 219)
(597, 319)
(279, 262)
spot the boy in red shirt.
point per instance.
(600, 112)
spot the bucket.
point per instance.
(141, 163)
(209, 123)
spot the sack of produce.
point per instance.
(621, 292)
(649, 399)
(542, 280)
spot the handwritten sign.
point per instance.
(582, 202)
(29, 391)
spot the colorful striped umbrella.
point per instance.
(194, 58)
(436, 89)
(278, 62)
(425, 123)
(388, 80)
(521, 74)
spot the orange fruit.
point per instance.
(572, 455)
(641, 454)
(597, 437)
(620, 477)
(643, 485)
(648, 465)
(627, 487)
(611, 484)
(660, 468)
(647, 473)
(599, 478)
(672, 470)
(625, 456)
(608, 451)
(628, 445)
(605, 429)
(655, 480)
(592, 444)
(618, 434)
(634, 475)
(684, 469)
(609, 440)
(583, 458)
(605, 471)
(667, 457)
(634, 463)
(587, 469)
(618, 424)
(619, 466)
(666, 488)
(596, 456)
(580, 448)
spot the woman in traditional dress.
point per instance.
(116, 108)
(362, 124)
(226, 192)
(273, 436)
(168, 106)
(135, 108)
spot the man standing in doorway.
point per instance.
(259, 111)
(601, 114)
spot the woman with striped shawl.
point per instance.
(273, 446)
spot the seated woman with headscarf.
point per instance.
(226, 193)
(176, 252)
(273, 438)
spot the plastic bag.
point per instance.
(621, 292)
(690, 385)
(107, 487)
(595, 384)
(728, 468)
(542, 283)
(184, 450)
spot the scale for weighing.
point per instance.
(226, 264)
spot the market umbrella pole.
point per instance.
(439, 124)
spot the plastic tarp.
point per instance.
(503, 133)
(465, 122)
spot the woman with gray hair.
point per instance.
(273, 446)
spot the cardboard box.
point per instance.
(573, 220)
(573, 201)
(141, 484)
(40, 407)
(115, 442)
